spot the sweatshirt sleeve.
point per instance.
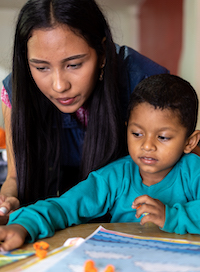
(183, 218)
(89, 199)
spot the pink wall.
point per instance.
(160, 25)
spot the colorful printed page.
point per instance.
(132, 253)
(52, 258)
(128, 253)
(14, 255)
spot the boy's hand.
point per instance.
(13, 236)
(154, 208)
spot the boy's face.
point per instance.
(156, 140)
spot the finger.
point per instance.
(2, 199)
(13, 237)
(140, 204)
(136, 206)
(3, 210)
(12, 243)
(2, 233)
(145, 199)
(148, 208)
(141, 211)
(158, 208)
(157, 220)
(11, 203)
(141, 200)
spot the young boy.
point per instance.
(155, 183)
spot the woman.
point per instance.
(70, 90)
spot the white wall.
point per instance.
(190, 60)
(123, 20)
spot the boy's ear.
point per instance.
(192, 141)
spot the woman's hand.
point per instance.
(152, 210)
(13, 236)
(8, 204)
(9, 190)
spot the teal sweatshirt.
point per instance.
(113, 188)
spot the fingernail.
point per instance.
(1, 249)
(3, 210)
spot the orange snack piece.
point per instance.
(90, 266)
(41, 253)
(109, 268)
(41, 249)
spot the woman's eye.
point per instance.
(42, 69)
(74, 66)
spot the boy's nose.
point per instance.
(148, 144)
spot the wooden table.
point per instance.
(86, 229)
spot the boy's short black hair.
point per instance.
(167, 91)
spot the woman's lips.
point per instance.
(66, 101)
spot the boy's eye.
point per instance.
(136, 134)
(163, 138)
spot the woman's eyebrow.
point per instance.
(64, 60)
(74, 57)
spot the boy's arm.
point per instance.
(183, 218)
(88, 200)
(180, 218)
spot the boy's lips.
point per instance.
(148, 160)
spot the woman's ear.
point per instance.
(104, 43)
(192, 141)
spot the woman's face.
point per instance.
(64, 67)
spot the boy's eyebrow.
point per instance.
(63, 61)
(161, 129)
(135, 124)
(167, 128)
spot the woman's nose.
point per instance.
(60, 82)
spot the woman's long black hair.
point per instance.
(35, 143)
